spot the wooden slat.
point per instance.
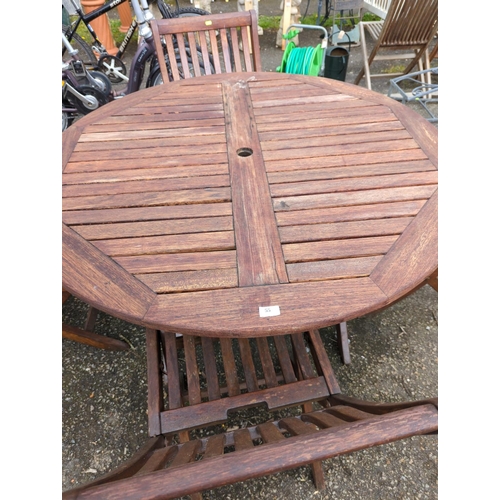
(215, 446)
(333, 141)
(349, 414)
(328, 173)
(296, 426)
(109, 165)
(220, 240)
(145, 214)
(338, 230)
(351, 213)
(332, 269)
(350, 199)
(172, 366)
(154, 228)
(284, 359)
(210, 368)
(301, 356)
(318, 159)
(267, 362)
(185, 261)
(210, 279)
(260, 260)
(248, 365)
(233, 385)
(141, 143)
(153, 185)
(357, 184)
(337, 249)
(270, 433)
(187, 453)
(186, 196)
(124, 154)
(322, 419)
(155, 392)
(192, 373)
(242, 440)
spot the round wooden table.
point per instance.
(248, 204)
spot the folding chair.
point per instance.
(194, 383)
(405, 34)
(205, 45)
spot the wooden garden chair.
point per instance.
(194, 383)
(205, 45)
(405, 34)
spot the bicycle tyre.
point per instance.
(85, 52)
(168, 12)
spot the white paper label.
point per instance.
(265, 312)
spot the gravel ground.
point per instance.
(394, 358)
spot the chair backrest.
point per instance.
(279, 372)
(199, 45)
(409, 24)
(377, 7)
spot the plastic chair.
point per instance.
(405, 34)
(193, 383)
(217, 41)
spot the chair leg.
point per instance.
(316, 467)
(343, 342)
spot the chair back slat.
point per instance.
(233, 386)
(302, 357)
(209, 360)
(248, 365)
(409, 23)
(192, 373)
(267, 362)
(172, 369)
(284, 360)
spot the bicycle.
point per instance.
(145, 54)
(83, 90)
(113, 66)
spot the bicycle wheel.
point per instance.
(167, 12)
(85, 52)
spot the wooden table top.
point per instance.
(248, 204)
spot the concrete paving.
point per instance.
(394, 358)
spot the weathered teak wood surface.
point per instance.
(186, 207)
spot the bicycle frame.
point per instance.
(88, 18)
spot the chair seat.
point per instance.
(181, 469)
(196, 383)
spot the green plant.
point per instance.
(114, 24)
